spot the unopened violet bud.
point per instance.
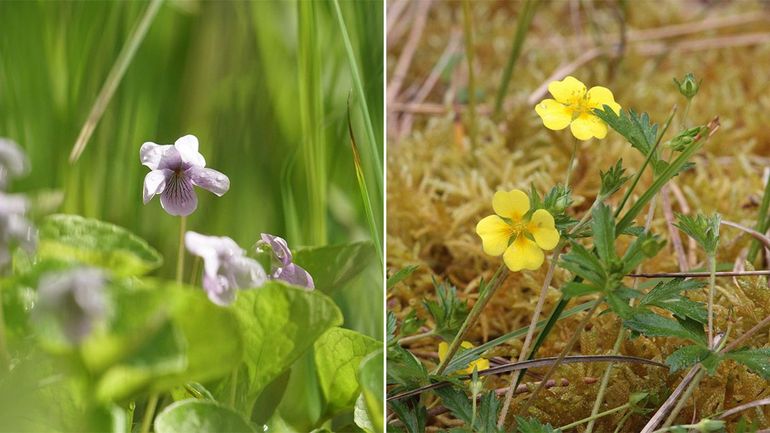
(282, 266)
(74, 299)
(226, 268)
(13, 161)
(176, 170)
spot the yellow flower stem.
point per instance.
(478, 307)
(562, 355)
(571, 163)
(180, 251)
(524, 353)
(712, 284)
(686, 113)
(468, 30)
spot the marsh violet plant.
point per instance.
(176, 170)
(282, 266)
(226, 268)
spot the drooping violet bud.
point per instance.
(226, 268)
(15, 230)
(282, 266)
(13, 161)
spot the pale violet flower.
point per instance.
(75, 300)
(226, 268)
(15, 230)
(282, 267)
(176, 169)
(13, 161)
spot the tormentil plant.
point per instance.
(603, 251)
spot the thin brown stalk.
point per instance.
(671, 401)
(407, 53)
(699, 274)
(741, 408)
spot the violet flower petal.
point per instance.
(171, 159)
(219, 289)
(75, 299)
(13, 161)
(187, 147)
(279, 246)
(151, 153)
(155, 183)
(295, 275)
(178, 198)
(246, 273)
(209, 179)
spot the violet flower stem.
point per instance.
(149, 413)
(180, 251)
(5, 358)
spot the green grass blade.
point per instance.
(522, 27)
(114, 78)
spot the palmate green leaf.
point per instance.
(200, 416)
(686, 357)
(96, 243)
(401, 275)
(448, 311)
(653, 325)
(370, 374)
(668, 295)
(338, 353)
(704, 229)
(532, 425)
(461, 407)
(613, 179)
(645, 246)
(412, 415)
(334, 266)
(584, 264)
(757, 360)
(603, 227)
(635, 128)
(404, 368)
(279, 323)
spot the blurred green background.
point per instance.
(264, 85)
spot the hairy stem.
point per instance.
(712, 284)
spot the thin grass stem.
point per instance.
(113, 79)
(522, 28)
(762, 221)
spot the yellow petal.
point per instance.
(466, 345)
(443, 348)
(600, 96)
(543, 229)
(511, 204)
(556, 116)
(523, 254)
(481, 364)
(494, 233)
(567, 91)
(587, 126)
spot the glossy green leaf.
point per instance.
(370, 374)
(686, 357)
(653, 325)
(200, 416)
(96, 243)
(334, 266)
(279, 323)
(338, 353)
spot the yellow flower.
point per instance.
(520, 240)
(573, 106)
(480, 364)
